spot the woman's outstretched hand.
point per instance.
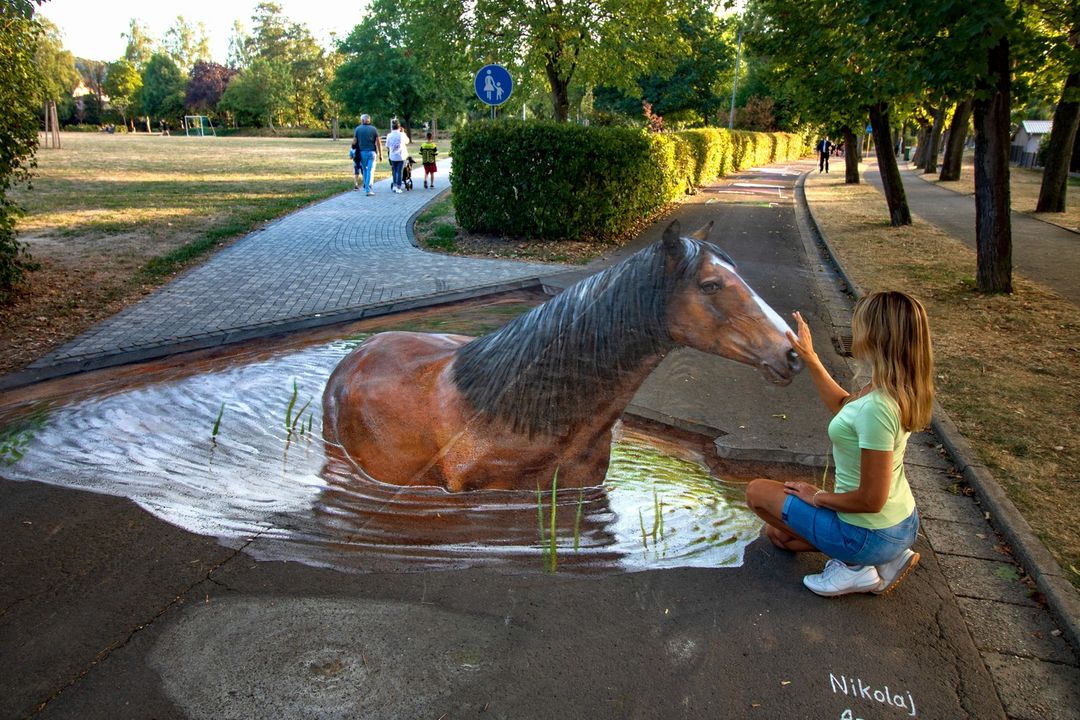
(803, 342)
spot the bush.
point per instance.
(556, 180)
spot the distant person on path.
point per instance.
(428, 153)
(397, 143)
(868, 524)
(824, 149)
(368, 147)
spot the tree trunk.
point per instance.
(1059, 153)
(954, 148)
(921, 144)
(851, 156)
(993, 224)
(560, 91)
(930, 161)
(893, 186)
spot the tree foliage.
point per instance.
(378, 78)
(205, 86)
(122, 85)
(55, 65)
(695, 87)
(260, 94)
(162, 92)
(140, 45)
(20, 92)
(186, 44)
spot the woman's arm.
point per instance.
(828, 390)
(875, 478)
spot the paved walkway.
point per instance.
(1043, 252)
(340, 259)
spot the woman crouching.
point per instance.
(868, 525)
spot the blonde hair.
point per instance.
(891, 331)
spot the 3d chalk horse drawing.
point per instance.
(505, 410)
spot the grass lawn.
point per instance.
(1007, 367)
(111, 217)
(1023, 192)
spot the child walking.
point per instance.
(428, 151)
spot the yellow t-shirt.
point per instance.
(871, 422)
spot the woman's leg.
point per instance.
(766, 498)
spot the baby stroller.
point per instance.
(406, 172)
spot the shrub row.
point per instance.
(556, 180)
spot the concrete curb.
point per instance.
(1062, 598)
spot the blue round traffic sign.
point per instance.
(493, 84)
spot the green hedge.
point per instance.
(555, 180)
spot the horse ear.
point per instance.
(703, 233)
(672, 241)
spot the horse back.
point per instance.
(383, 403)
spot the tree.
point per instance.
(20, 91)
(186, 44)
(206, 85)
(122, 85)
(239, 41)
(162, 93)
(377, 78)
(954, 147)
(1063, 23)
(697, 84)
(140, 45)
(91, 106)
(258, 95)
(840, 68)
(56, 66)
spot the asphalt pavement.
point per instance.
(110, 612)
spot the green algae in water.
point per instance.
(15, 439)
(694, 513)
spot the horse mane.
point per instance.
(540, 372)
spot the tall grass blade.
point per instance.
(644, 537)
(554, 558)
(577, 518)
(217, 422)
(288, 410)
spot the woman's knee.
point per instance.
(758, 492)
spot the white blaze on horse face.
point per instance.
(766, 310)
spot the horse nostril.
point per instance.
(794, 361)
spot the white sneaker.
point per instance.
(839, 579)
(892, 572)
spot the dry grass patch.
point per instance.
(1023, 191)
(112, 217)
(1007, 367)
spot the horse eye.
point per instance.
(710, 286)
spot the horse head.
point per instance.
(712, 308)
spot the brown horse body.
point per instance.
(504, 411)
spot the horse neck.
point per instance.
(577, 358)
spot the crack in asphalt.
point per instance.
(105, 653)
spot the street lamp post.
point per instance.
(735, 80)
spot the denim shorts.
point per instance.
(849, 543)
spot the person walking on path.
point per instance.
(824, 149)
(397, 143)
(368, 147)
(428, 153)
(868, 524)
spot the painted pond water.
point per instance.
(231, 447)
